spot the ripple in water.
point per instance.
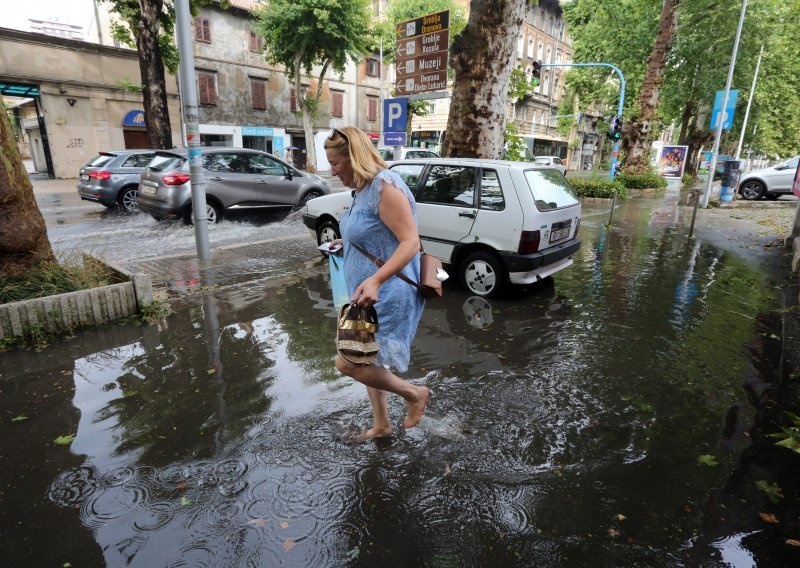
(153, 516)
(112, 503)
(72, 487)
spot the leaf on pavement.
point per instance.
(257, 522)
(289, 544)
(769, 518)
(792, 542)
(64, 440)
(19, 418)
(612, 532)
(284, 525)
(620, 517)
(181, 485)
(185, 501)
(706, 459)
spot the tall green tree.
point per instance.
(23, 234)
(149, 26)
(303, 35)
(482, 57)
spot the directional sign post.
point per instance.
(423, 46)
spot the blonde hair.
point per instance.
(355, 144)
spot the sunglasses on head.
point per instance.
(340, 133)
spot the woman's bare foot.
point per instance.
(416, 408)
(367, 435)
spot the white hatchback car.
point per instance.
(493, 222)
(552, 161)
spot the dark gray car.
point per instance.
(112, 178)
(236, 179)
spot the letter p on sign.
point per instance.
(395, 114)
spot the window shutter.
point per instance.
(208, 90)
(259, 95)
(337, 106)
(372, 114)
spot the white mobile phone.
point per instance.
(326, 247)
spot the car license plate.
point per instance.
(148, 189)
(559, 234)
(84, 177)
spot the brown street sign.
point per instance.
(426, 24)
(421, 45)
(422, 83)
(423, 64)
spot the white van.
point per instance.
(494, 222)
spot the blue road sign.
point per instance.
(394, 138)
(395, 114)
(730, 108)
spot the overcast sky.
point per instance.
(77, 12)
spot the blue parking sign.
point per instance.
(395, 113)
(730, 108)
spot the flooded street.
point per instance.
(595, 419)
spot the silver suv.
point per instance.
(236, 179)
(111, 178)
(771, 182)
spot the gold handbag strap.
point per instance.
(379, 262)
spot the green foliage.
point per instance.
(49, 279)
(402, 10)
(129, 86)
(64, 440)
(707, 459)
(773, 490)
(789, 436)
(154, 312)
(641, 181)
(600, 187)
(687, 180)
(515, 148)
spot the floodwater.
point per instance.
(566, 428)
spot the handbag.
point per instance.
(355, 335)
(431, 273)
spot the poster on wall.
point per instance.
(671, 161)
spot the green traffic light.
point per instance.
(535, 81)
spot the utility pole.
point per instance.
(749, 102)
(715, 150)
(183, 32)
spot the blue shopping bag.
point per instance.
(338, 283)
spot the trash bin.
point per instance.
(731, 170)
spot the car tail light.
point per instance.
(529, 242)
(100, 175)
(176, 179)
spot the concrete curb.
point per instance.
(65, 312)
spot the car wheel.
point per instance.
(483, 274)
(328, 231)
(128, 199)
(213, 213)
(752, 190)
(306, 198)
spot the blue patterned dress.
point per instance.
(399, 304)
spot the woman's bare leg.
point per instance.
(380, 414)
(382, 379)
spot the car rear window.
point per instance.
(164, 162)
(550, 189)
(100, 160)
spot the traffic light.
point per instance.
(616, 128)
(537, 72)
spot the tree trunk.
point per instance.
(641, 129)
(23, 234)
(151, 67)
(482, 58)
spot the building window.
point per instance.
(337, 104)
(541, 51)
(520, 46)
(372, 109)
(372, 67)
(202, 29)
(259, 91)
(255, 43)
(207, 85)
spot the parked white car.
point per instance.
(771, 182)
(552, 161)
(407, 153)
(493, 222)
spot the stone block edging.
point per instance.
(65, 312)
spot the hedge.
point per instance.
(641, 181)
(596, 186)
